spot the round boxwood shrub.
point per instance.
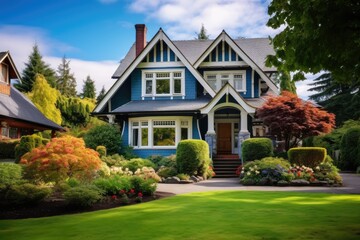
(137, 163)
(26, 144)
(83, 196)
(192, 157)
(256, 149)
(307, 156)
(104, 135)
(350, 149)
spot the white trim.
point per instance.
(160, 35)
(160, 64)
(242, 104)
(123, 129)
(224, 64)
(198, 128)
(7, 73)
(150, 120)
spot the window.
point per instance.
(4, 73)
(218, 79)
(158, 132)
(163, 83)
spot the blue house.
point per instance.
(166, 91)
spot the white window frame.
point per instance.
(150, 120)
(231, 74)
(4, 79)
(172, 82)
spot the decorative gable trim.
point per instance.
(160, 35)
(7, 55)
(246, 59)
(225, 91)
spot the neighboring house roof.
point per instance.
(162, 106)
(256, 48)
(19, 107)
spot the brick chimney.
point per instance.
(140, 37)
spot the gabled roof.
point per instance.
(19, 107)
(127, 70)
(14, 74)
(227, 89)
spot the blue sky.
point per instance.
(96, 34)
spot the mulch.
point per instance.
(56, 206)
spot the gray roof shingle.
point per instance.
(19, 107)
(256, 48)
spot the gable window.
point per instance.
(163, 83)
(235, 78)
(159, 132)
(4, 73)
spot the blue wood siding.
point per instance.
(145, 153)
(248, 84)
(195, 129)
(122, 95)
(158, 52)
(136, 84)
(164, 54)
(125, 134)
(226, 49)
(256, 85)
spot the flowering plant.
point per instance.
(303, 172)
(139, 197)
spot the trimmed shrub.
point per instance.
(114, 160)
(183, 176)
(307, 156)
(26, 144)
(169, 161)
(256, 149)
(82, 196)
(60, 159)
(104, 135)
(192, 157)
(350, 149)
(27, 194)
(101, 150)
(7, 148)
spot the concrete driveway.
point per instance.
(351, 185)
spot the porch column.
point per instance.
(210, 136)
(111, 118)
(244, 133)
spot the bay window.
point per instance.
(158, 132)
(163, 82)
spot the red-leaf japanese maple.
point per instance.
(292, 119)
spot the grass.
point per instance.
(209, 215)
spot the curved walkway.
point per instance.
(351, 185)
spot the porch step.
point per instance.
(225, 167)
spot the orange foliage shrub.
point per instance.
(60, 159)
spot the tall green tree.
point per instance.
(101, 95)
(202, 35)
(89, 90)
(318, 35)
(44, 97)
(65, 80)
(34, 66)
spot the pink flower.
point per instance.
(113, 197)
(140, 194)
(132, 191)
(122, 192)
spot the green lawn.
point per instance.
(209, 215)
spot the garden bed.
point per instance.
(54, 206)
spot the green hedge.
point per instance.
(104, 135)
(7, 149)
(192, 157)
(307, 156)
(350, 149)
(256, 149)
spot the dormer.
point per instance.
(8, 71)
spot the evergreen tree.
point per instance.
(34, 66)
(89, 90)
(44, 97)
(101, 95)
(65, 81)
(202, 34)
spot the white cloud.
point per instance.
(181, 19)
(302, 87)
(19, 41)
